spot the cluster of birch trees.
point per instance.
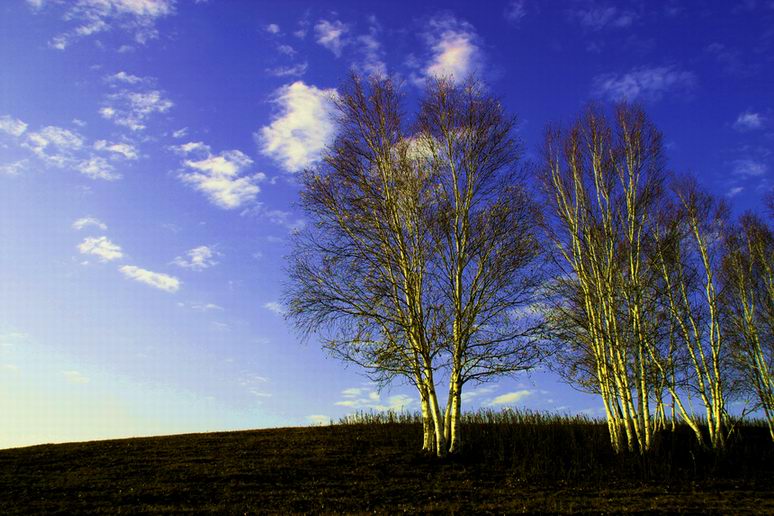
(429, 258)
(663, 305)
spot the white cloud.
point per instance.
(304, 126)
(88, 17)
(284, 218)
(12, 126)
(89, 221)
(471, 394)
(454, 50)
(63, 148)
(275, 308)
(749, 121)
(124, 77)
(288, 71)
(191, 147)
(124, 149)
(511, 397)
(218, 176)
(597, 17)
(272, 28)
(206, 307)
(332, 35)
(14, 168)
(180, 133)
(75, 377)
(318, 419)
(286, 49)
(749, 167)
(133, 108)
(648, 83)
(101, 247)
(372, 60)
(154, 279)
(58, 138)
(734, 191)
(362, 399)
(515, 11)
(199, 258)
(98, 168)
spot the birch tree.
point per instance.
(603, 181)
(748, 275)
(417, 257)
(690, 267)
(488, 261)
(358, 276)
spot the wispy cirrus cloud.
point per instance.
(510, 397)
(595, 17)
(157, 280)
(275, 307)
(296, 70)
(283, 218)
(54, 144)
(644, 83)
(318, 419)
(14, 168)
(60, 147)
(358, 398)
(85, 222)
(102, 248)
(749, 121)
(371, 50)
(123, 77)
(75, 377)
(515, 11)
(219, 176)
(302, 128)
(126, 150)
(12, 126)
(132, 109)
(197, 259)
(332, 35)
(749, 167)
(88, 17)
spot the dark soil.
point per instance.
(378, 468)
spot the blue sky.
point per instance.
(149, 151)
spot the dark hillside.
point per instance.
(511, 467)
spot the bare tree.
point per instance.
(415, 262)
(359, 274)
(485, 232)
(603, 182)
(748, 274)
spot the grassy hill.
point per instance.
(529, 464)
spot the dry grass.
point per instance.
(512, 462)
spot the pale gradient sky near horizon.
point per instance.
(148, 156)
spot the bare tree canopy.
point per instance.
(422, 257)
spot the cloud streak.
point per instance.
(643, 83)
(157, 280)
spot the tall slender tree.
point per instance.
(603, 181)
